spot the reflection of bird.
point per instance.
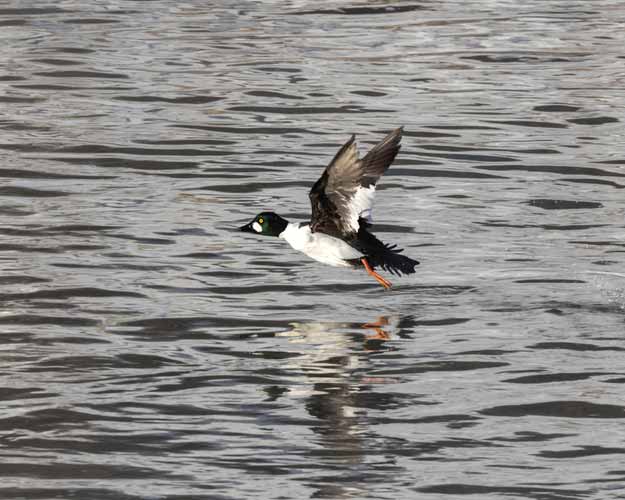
(330, 350)
(331, 334)
(341, 203)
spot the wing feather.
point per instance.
(343, 196)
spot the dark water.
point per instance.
(151, 352)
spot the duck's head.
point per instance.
(266, 223)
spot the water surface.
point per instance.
(151, 351)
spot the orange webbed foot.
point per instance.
(386, 284)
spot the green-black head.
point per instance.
(267, 223)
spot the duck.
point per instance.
(338, 233)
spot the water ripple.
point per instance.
(152, 351)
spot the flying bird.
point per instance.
(341, 200)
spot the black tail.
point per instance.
(383, 255)
(390, 260)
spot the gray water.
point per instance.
(151, 351)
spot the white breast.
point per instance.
(319, 246)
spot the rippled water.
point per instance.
(150, 351)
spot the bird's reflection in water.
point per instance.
(335, 360)
(330, 333)
(378, 326)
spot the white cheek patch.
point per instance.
(257, 227)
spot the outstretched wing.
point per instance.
(343, 195)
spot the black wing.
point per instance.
(343, 195)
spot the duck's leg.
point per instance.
(380, 279)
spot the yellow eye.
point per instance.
(261, 221)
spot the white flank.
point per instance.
(319, 246)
